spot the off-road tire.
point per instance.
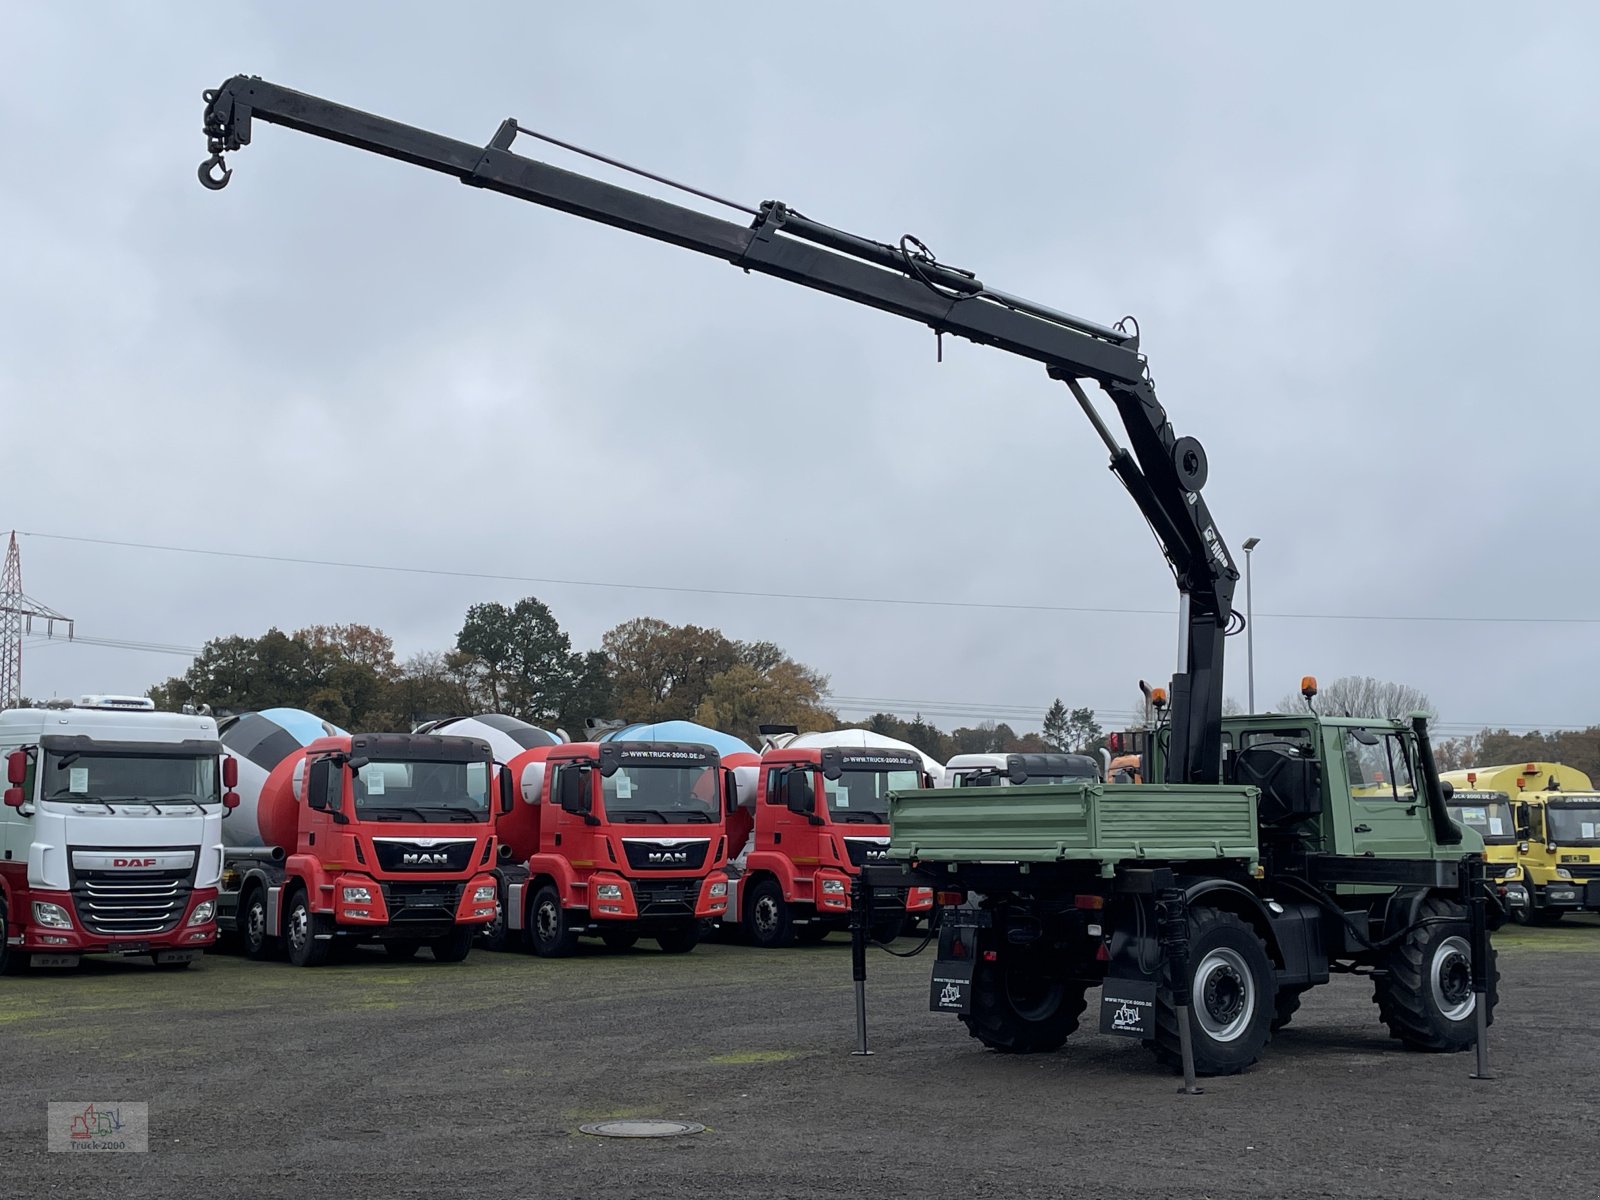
(619, 939)
(300, 929)
(1286, 1005)
(402, 949)
(254, 939)
(1018, 1011)
(679, 939)
(454, 946)
(768, 919)
(550, 929)
(1233, 997)
(1424, 993)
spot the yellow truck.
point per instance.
(1540, 823)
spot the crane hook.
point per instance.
(208, 176)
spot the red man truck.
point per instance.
(371, 837)
(821, 812)
(618, 839)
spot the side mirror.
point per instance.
(230, 801)
(14, 797)
(573, 791)
(1017, 775)
(1449, 790)
(317, 784)
(230, 772)
(800, 797)
(16, 768)
(508, 790)
(356, 762)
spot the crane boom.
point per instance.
(1162, 471)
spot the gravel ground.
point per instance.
(422, 1079)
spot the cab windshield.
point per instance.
(1490, 819)
(412, 790)
(647, 794)
(130, 778)
(861, 797)
(1573, 824)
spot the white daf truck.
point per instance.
(111, 832)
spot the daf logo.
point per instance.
(424, 858)
(133, 862)
(668, 858)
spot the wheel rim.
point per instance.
(548, 922)
(299, 925)
(766, 914)
(255, 925)
(1226, 993)
(1031, 997)
(1450, 979)
(495, 928)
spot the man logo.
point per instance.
(667, 858)
(133, 862)
(424, 858)
(875, 853)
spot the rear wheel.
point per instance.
(454, 946)
(619, 939)
(768, 918)
(551, 933)
(493, 935)
(302, 927)
(1017, 1008)
(1288, 1003)
(679, 939)
(1232, 997)
(1424, 994)
(257, 942)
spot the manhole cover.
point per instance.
(641, 1129)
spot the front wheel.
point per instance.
(1424, 994)
(551, 933)
(258, 942)
(1019, 1007)
(454, 946)
(679, 939)
(493, 935)
(768, 918)
(1232, 1003)
(305, 948)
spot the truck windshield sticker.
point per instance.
(1588, 829)
(624, 787)
(375, 783)
(78, 780)
(1496, 826)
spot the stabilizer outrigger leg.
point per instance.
(859, 924)
(1477, 906)
(1172, 911)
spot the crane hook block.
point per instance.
(210, 176)
(1189, 457)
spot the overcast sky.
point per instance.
(1361, 244)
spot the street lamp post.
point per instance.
(1250, 622)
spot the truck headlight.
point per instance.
(484, 894)
(202, 912)
(719, 889)
(1563, 874)
(1511, 872)
(52, 916)
(357, 895)
(833, 887)
(609, 891)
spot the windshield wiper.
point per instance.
(469, 814)
(388, 814)
(77, 799)
(156, 804)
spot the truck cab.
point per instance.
(110, 837)
(1015, 770)
(821, 813)
(628, 840)
(374, 837)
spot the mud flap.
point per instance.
(1128, 1007)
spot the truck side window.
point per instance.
(1379, 766)
(775, 787)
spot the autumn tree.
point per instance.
(662, 672)
(1055, 725)
(743, 698)
(1362, 696)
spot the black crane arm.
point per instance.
(1163, 472)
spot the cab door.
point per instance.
(1388, 803)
